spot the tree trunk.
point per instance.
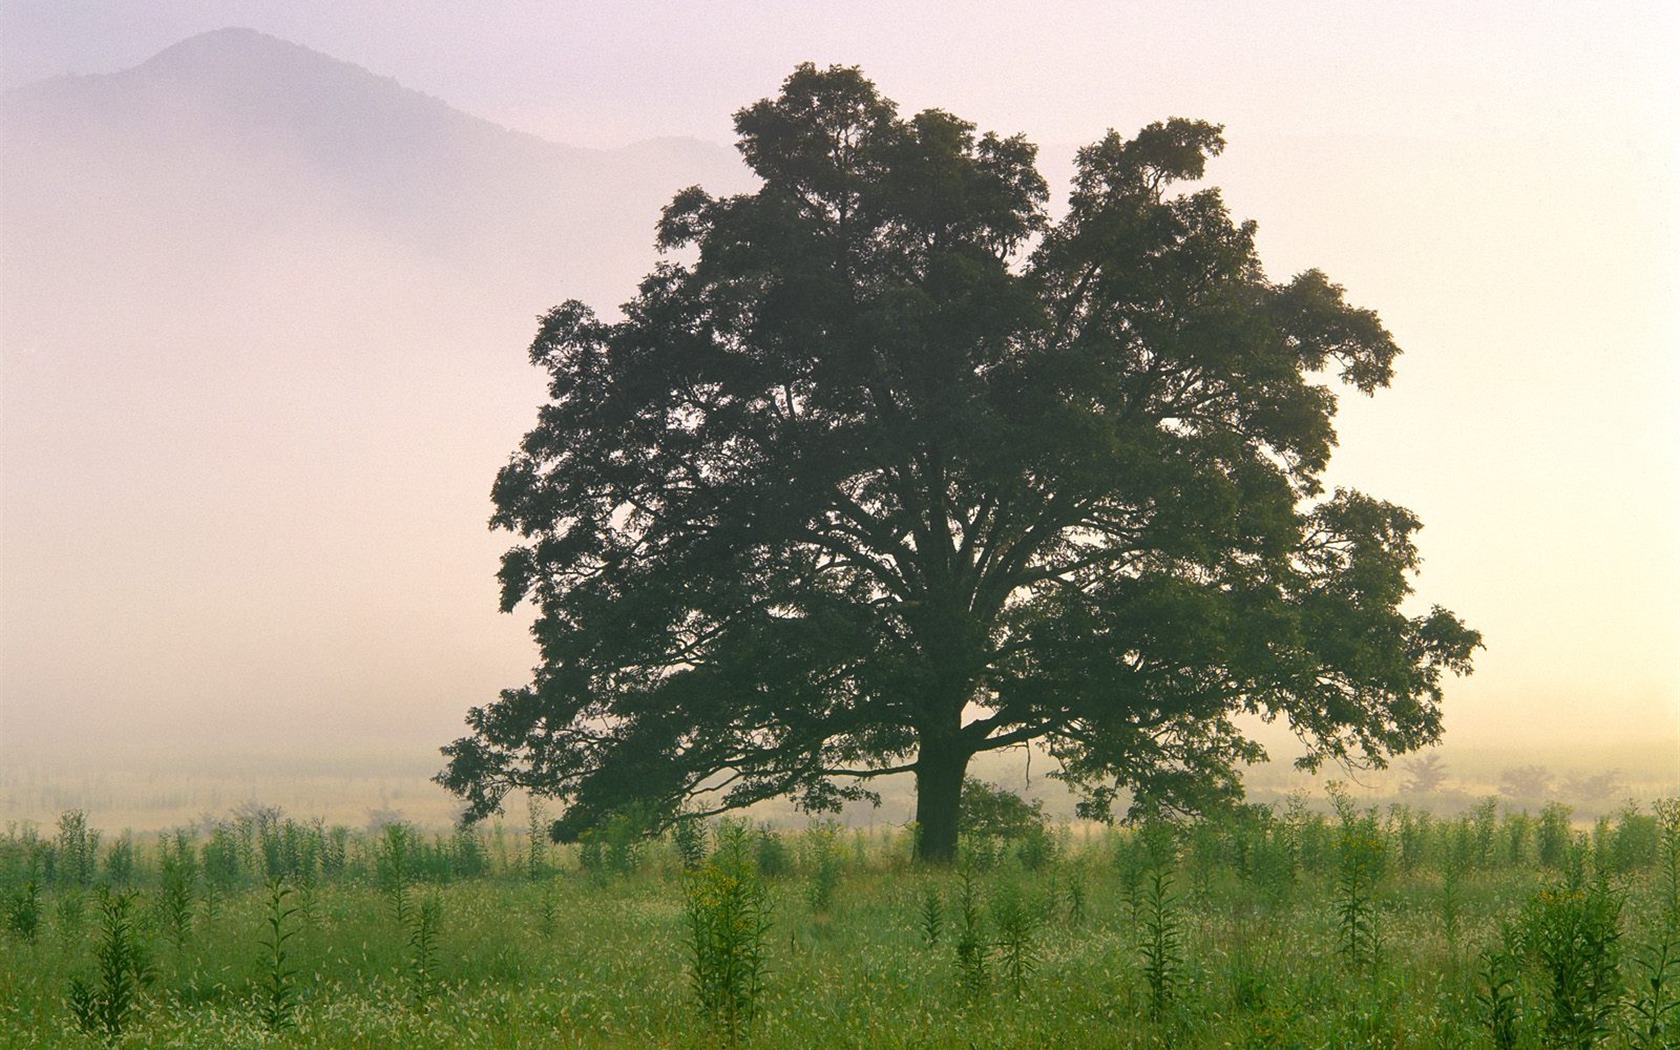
(939, 775)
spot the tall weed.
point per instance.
(727, 922)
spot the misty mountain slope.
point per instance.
(262, 328)
(241, 125)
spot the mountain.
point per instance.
(241, 126)
(263, 318)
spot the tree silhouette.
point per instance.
(885, 470)
(1526, 783)
(1424, 775)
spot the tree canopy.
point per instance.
(883, 468)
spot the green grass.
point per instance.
(1258, 904)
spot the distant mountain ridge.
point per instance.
(263, 329)
(239, 106)
(264, 82)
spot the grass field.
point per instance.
(1284, 926)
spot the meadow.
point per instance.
(1313, 922)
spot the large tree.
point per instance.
(884, 469)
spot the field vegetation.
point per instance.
(1315, 922)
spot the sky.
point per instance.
(1500, 181)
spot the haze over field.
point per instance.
(263, 312)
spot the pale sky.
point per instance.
(1500, 181)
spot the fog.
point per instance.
(264, 304)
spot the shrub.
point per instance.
(1633, 844)
(614, 845)
(822, 846)
(536, 839)
(727, 920)
(77, 849)
(972, 951)
(989, 811)
(23, 911)
(1016, 923)
(104, 1005)
(1653, 1020)
(1554, 836)
(119, 861)
(395, 867)
(931, 918)
(1038, 848)
(277, 994)
(772, 853)
(688, 837)
(468, 857)
(1161, 939)
(70, 911)
(1361, 850)
(1484, 822)
(1498, 995)
(1571, 932)
(423, 948)
(177, 873)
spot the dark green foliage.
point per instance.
(1161, 938)
(1016, 925)
(221, 864)
(548, 905)
(468, 858)
(992, 816)
(536, 840)
(1668, 854)
(1313, 838)
(396, 868)
(1554, 836)
(1498, 994)
(615, 844)
(278, 842)
(1266, 853)
(1518, 832)
(1634, 843)
(1038, 848)
(1484, 828)
(1075, 891)
(981, 853)
(1653, 1019)
(1362, 850)
(69, 913)
(277, 989)
(989, 811)
(423, 949)
(104, 1004)
(1205, 849)
(930, 920)
(688, 835)
(887, 469)
(727, 913)
(590, 855)
(1131, 864)
(1451, 904)
(1568, 936)
(822, 858)
(771, 853)
(973, 951)
(23, 911)
(119, 861)
(177, 874)
(23, 855)
(570, 957)
(77, 849)
(335, 852)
